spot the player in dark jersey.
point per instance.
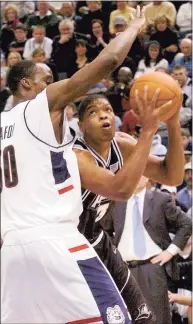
(106, 151)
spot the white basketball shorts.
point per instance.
(53, 275)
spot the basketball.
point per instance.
(169, 90)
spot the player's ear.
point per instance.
(80, 124)
(26, 83)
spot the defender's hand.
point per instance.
(139, 19)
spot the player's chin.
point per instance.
(107, 135)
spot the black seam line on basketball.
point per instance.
(152, 82)
(56, 147)
(118, 152)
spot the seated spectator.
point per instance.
(67, 10)
(63, 52)
(122, 10)
(11, 15)
(13, 58)
(153, 59)
(18, 44)
(184, 18)
(24, 8)
(180, 74)
(81, 58)
(39, 40)
(4, 91)
(161, 69)
(172, 191)
(99, 39)
(39, 56)
(94, 12)
(157, 147)
(166, 36)
(184, 196)
(136, 51)
(71, 115)
(120, 90)
(155, 8)
(45, 18)
(186, 140)
(185, 57)
(129, 123)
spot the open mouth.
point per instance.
(106, 125)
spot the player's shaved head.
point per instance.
(23, 69)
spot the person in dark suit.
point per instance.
(146, 246)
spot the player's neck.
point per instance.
(102, 148)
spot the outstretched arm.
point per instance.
(63, 92)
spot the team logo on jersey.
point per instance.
(144, 312)
(115, 315)
(114, 167)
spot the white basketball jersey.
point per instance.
(39, 178)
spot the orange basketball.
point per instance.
(169, 90)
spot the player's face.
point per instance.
(43, 78)
(99, 121)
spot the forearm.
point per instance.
(183, 300)
(127, 178)
(174, 160)
(121, 44)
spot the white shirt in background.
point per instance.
(31, 46)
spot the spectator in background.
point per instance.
(39, 56)
(186, 140)
(166, 36)
(185, 57)
(11, 16)
(39, 40)
(172, 191)
(81, 57)
(4, 91)
(13, 58)
(180, 74)
(184, 196)
(71, 115)
(18, 44)
(94, 12)
(67, 10)
(136, 51)
(155, 8)
(153, 59)
(184, 18)
(99, 39)
(122, 10)
(129, 123)
(45, 18)
(25, 8)
(63, 53)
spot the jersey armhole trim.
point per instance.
(56, 147)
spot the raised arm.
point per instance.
(63, 92)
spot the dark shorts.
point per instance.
(125, 281)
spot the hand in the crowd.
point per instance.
(65, 38)
(100, 40)
(172, 48)
(162, 258)
(173, 298)
(148, 114)
(139, 20)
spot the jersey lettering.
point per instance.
(10, 168)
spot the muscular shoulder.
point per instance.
(83, 157)
(125, 143)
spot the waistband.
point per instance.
(15, 237)
(135, 263)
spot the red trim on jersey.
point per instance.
(78, 248)
(66, 189)
(86, 320)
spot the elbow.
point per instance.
(113, 61)
(175, 181)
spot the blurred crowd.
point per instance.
(67, 35)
